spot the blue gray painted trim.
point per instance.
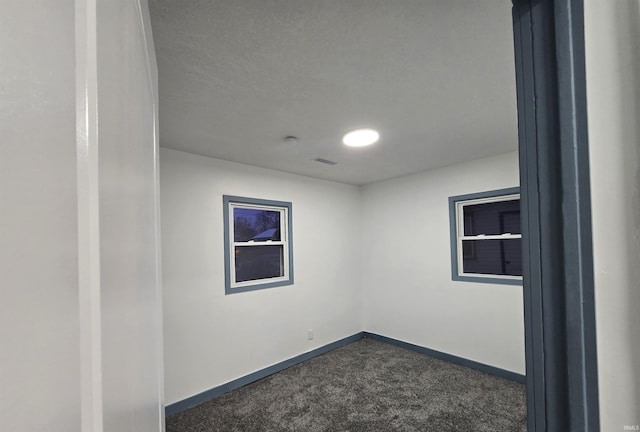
(491, 370)
(454, 236)
(560, 340)
(213, 393)
(226, 200)
(582, 371)
(529, 204)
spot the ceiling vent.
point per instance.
(325, 161)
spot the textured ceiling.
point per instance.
(435, 77)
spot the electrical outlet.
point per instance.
(310, 334)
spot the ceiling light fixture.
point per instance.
(361, 138)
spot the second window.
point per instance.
(258, 243)
(486, 237)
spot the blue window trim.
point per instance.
(454, 237)
(227, 200)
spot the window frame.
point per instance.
(456, 223)
(285, 208)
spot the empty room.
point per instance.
(255, 98)
(297, 215)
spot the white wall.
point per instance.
(130, 295)
(408, 291)
(39, 326)
(612, 31)
(212, 338)
(80, 344)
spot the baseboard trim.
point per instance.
(213, 393)
(491, 370)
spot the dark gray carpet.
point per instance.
(366, 386)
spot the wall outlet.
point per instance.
(310, 334)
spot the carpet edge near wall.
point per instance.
(217, 391)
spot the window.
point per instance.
(486, 239)
(257, 236)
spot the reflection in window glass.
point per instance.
(253, 263)
(493, 257)
(492, 218)
(251, 224)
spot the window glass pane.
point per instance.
(255, 224)
(259, 262)
(492, 218)
(492, 257)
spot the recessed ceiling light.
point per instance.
(361, 137)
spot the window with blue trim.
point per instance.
(486, 238)
(258, 250)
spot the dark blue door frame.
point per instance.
(562, 388)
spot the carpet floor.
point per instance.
(366, 386)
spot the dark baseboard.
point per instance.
(213, 393)
(491, 370)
